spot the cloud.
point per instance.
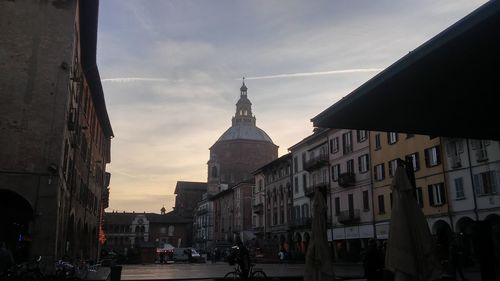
(133, 79)
(170, 68)
(303, 74)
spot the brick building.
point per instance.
(54, 129)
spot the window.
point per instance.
(303, 160)
(480, 147)
(459, 188)
(436, 194)
(381, 204)
(486, 183)
(335, 172)
(392, 137)
(296, 184)
(362, 135)
(337, 206)
(379, 172)
(414, 160)
(350, 166)
(393, 165)
(377, 142)
(453, 150)
(390, 197)
(366, 203)
(363, 164)
(334, 145)
(347, 142)
(214, 172)
(304, 181)
(420, 197)
(432, 156)
(305, 211)
(295, 164)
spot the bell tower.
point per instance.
(243, 115)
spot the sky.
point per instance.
(172, 69)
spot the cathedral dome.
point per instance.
(244, 132)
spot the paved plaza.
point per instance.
(179, 271)
(218, 270)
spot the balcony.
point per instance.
(317, 162)
(258, 229)
(301, 223)
(347, 179)
(349, 216)
(202, 211)
(309, 191)
(258, 208)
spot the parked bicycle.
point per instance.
(29, 271)
(254, 274)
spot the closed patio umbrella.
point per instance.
(318, 259)
(410, 252)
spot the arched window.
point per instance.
(171, 229)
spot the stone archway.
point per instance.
(16, 214)
(307, 238)
(443, 234)
(494, 221)
(464, 228)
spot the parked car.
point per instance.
(187, 255)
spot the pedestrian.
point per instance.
(162, 257)
(372, 262)
(281, 256)
(6, 258)
(242, 257)
(214, 255)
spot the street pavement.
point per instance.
(275, 272)
(218, 270)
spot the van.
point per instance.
(183, 254)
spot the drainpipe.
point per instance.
(449, 186)
(471, 178)
(372, 188)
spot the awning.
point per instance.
(446, 87)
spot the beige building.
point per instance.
(425, 154)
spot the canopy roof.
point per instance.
(445, 87)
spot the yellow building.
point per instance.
(425, 154)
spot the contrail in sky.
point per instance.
(302, 74)
(133, 79)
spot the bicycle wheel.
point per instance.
(232, 276)
(258, 275)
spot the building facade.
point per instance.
(189, 194)
(351, 193)
(55, 130)
(310, 169)
(272, 199)
(472, 171)
(135, 237)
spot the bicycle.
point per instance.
(255, 274)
